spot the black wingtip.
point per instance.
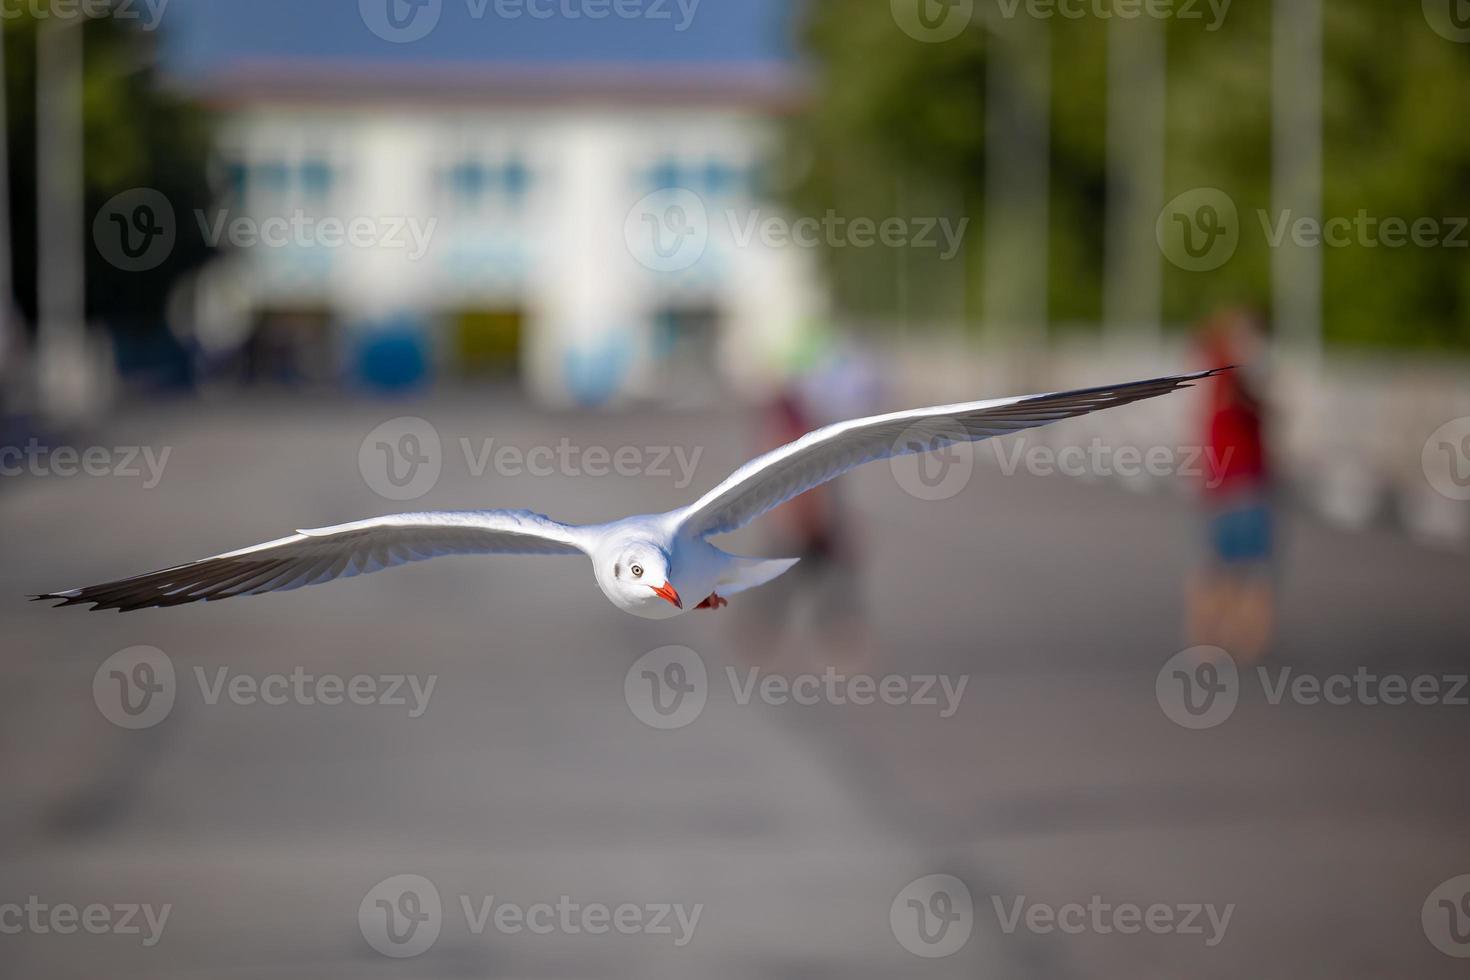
(62, 600)
(1188, 380)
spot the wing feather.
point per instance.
(321, 555)
(827, 453)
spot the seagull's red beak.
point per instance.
(667, 591)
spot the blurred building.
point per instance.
(573, 222)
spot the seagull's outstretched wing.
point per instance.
(310, 557)
(827, 453)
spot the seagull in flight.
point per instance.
(647, 565)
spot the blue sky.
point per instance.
(204, 35)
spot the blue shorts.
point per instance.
(1242, 533)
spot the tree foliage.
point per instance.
(887, 111)
(137, 133)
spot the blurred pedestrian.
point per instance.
(1231, 598)
(822, 593)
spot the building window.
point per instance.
(712, 178)
(474, 182)
(316, 178)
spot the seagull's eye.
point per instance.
(637, 571)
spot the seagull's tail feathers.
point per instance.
(747, 573)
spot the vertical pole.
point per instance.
(7, 292)
(1017, 178)
(1132, 266)
(1296, 76)
(60, 252)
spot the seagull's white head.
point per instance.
(634, 575)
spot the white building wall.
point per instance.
(568, 254)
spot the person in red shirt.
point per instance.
(1232, 595)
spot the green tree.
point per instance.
(887, 111)
(137, 134)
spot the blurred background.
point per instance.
(277, 265)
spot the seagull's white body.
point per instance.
(646, 565)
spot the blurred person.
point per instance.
(1232, 595)
(824, 588)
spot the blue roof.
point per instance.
(204, 37)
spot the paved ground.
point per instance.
(794, 828)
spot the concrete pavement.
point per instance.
(794, 828)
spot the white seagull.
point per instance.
(646, 565)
